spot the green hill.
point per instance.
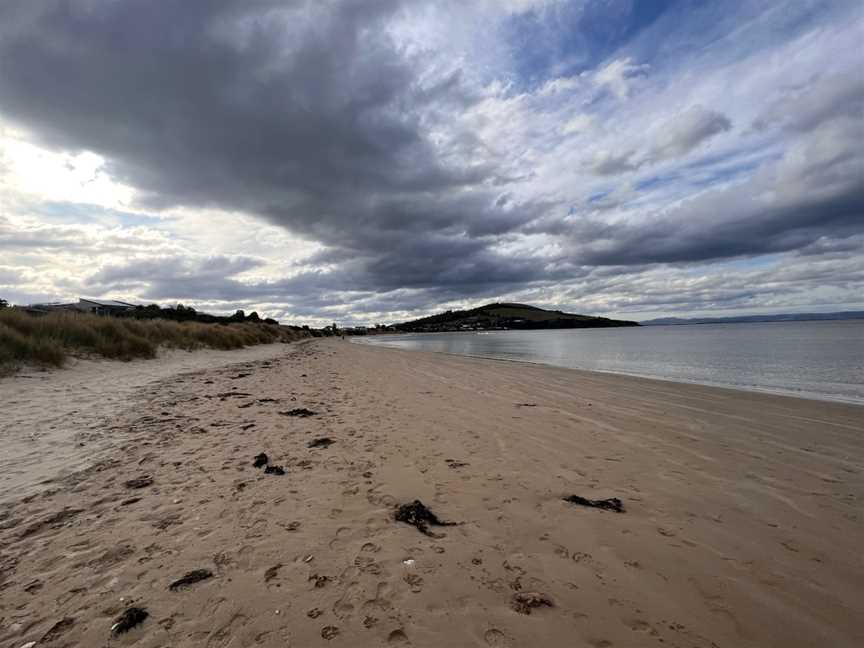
(507, 316)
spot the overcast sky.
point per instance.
(374, 160)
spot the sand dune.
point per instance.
(742, 523)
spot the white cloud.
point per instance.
(619, 76)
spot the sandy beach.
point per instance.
(742, 522)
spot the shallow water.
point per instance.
(823, 360)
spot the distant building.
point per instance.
(95, 306)
(103, 306)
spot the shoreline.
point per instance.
(810, 396)
(789, 393)
(741, 523)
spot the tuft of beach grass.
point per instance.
(49, 340)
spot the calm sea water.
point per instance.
(822, 360)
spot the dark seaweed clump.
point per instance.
(417, 515)
(524, 602)
(130, 618)
(139, 482)
(302, 412)
(260, 460)
(192, 577)
(611, 504)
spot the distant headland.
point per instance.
(742, 319)
(500, 317)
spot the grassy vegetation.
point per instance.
(48, 340)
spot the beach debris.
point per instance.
(57, 629)
(451, 463)
(268, 400)
(272, 572)
(300, 412)
(526, 404)
(321, 442)
(129, 501)
(139, 482)
(611, 504)
(274, 470)
(260, 460)
(417, 515)
(240, 375)
(245, 405)
(248, 426)
(130, 618)
(524, 602)
(329, 632)
(232, 394)
(314, 613)
(192, 577)
(308, 558)
(320, 581)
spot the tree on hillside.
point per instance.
(3, 303)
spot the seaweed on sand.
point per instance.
(611, 504)
(417, 515)
(192, 577)
(130, 618)
(301, 412)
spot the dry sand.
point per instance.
(56, 422)
(743, 523)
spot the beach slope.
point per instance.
(742, 522)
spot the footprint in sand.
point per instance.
(398, 637)
(638, 625)
(382, 602)
(414, 581)
(224, 636)
(497, 639)
(340, 539)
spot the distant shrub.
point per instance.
(47, 340)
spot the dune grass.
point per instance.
(49, 340)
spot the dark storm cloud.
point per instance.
(305, 113)
(308, 114)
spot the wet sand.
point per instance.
(742, 525)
